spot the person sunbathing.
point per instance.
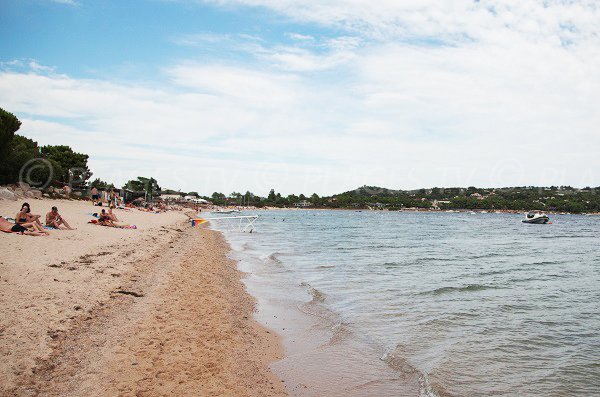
(10, 227)
(105, 220)
(110, 214)
(25, 216)
(54, 219)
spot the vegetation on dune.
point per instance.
(527, 198)
(21, 159)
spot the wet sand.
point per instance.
(103, 312)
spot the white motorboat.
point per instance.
(226, 211)
(536, 217)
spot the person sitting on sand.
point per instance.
(25, 216)
(10, 227)
(54, 219)
(105, 220)
(110, 214)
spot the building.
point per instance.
(303, 204)
(171, 197)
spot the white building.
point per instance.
(302, 204)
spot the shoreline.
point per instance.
(426, 210)
(153, 311)
(324, 355)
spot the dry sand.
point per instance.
(155, 311)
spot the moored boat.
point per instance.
(536, 217)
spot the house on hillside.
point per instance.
(302, 204)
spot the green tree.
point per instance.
(100, 184)
(218, 198)
(73, 166)
(143, 184)
(315, 199)
(9, 124)
(22, 162)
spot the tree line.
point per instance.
(22, 159)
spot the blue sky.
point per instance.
(310, 96)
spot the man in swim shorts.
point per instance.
(54, 219)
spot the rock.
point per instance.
(78, 194)
(36, 193)
(24, 186)
(19, 192)
(57, 190)
(7, 194)
(45, 195)
(29, 194)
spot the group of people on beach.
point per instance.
(27, 223)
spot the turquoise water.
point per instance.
(476, 305)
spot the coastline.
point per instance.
(153, 311)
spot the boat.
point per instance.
(536, 217)
(225, 211)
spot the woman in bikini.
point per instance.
(25, 216)
(110, 214)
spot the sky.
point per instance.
(311, 96)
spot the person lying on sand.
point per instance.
(10, 227)
(54, 219)
(25, 216)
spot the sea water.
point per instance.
(380, 303)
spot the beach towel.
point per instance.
(198, 221)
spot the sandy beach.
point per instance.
(157, 310)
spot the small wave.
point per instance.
(466, 288)
(274, 258)
(325, 267)
(397, 360)
(566, 236)
(340, 333)
(317, 296)
(315, 306)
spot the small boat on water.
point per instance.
(536, 217)
(225, 211)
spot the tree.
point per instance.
(272, 196)
(218, 198)
(9, 124)
(143, 184)
(73, 166)
(100, 184)
(22, 162)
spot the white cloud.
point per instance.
(300, 37)
(412, 94)
(69, 2)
